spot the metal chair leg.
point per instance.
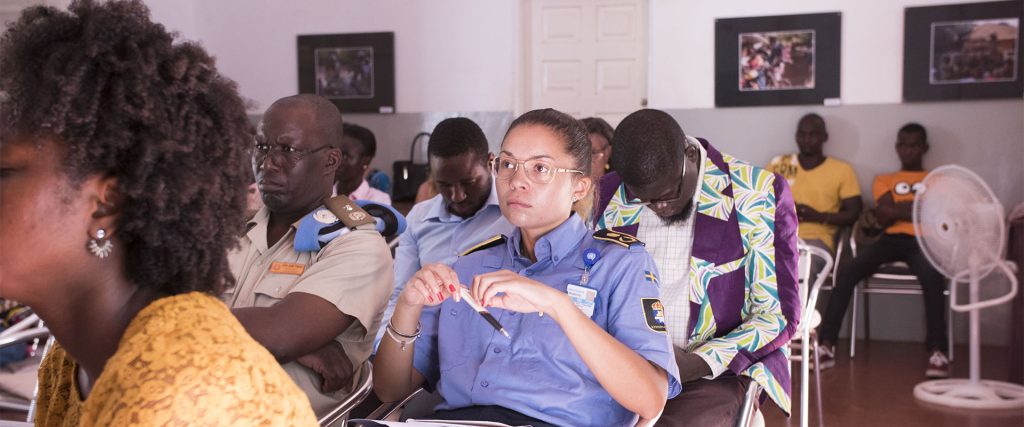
(853, 325)
(867, 317)
(817, 381)
(805, 373)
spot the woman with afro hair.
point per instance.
(121, 190)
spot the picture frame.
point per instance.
(778, 60)
(355, 71)
(963, 51)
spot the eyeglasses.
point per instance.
(283, 154)
(538, 171)
(663, 203)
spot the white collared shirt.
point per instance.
(671, 247)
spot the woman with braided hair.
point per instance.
(121, 190)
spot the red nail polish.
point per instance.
(440, 296)
(451, 288)
(430, 299)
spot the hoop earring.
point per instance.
(100, 247)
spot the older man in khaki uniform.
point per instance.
(317, 312)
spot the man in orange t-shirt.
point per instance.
(894, 199)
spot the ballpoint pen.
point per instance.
(466, 296)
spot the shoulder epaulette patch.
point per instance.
(486, 244)
(616, 237)
(348, 212)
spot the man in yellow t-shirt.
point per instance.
(894, 196)
(825, 189)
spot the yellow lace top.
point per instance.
(183, 360)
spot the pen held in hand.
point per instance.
(468, 298)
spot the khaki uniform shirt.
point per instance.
(354, 272)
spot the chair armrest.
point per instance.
(747, 409)
(25, 335)
(387, 409)
(354, 399)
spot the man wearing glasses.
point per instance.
(317, 312)
(723, 236)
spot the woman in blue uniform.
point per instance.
(587, 342)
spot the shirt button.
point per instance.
(484, 384)
(497, 350)
(556, 259)
(454, 312)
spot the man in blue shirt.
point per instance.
(464, 213)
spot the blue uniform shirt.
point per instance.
(538, 372)
(435, 235)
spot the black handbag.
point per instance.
(408, 174)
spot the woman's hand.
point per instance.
(430, 286)
(519, 293)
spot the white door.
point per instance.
(587, 57)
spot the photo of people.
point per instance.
(976, 51)
(776, 60)
(344, 73)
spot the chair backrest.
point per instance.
(809, 294)
(342, 410)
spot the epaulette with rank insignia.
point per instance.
(616, 237)
(498, 239)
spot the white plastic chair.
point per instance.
(809, 319)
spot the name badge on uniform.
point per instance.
(292, 268)
(583, 298)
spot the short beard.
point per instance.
(680, 217)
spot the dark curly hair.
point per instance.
(123, 100)
(365, 137)
(456, 136)
(599, 126)
(647, 143)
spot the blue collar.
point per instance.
(440, 211)
(557, 244)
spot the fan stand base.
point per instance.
(963, 393)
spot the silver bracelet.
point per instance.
(400, 337)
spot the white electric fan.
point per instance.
(961, 228)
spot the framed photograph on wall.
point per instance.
(963, 51)
(355, 71)
(777, 60)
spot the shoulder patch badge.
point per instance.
(348, 212)
(650, 277)
(616, 237)
(654, 314)
(496, 240)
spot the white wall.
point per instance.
(461, 57)
(176, 15)
(451, 55)
(681, 72)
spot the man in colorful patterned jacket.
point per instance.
(723, 236)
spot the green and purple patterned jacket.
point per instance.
(744, 300)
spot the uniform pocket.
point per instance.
(273, 288)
